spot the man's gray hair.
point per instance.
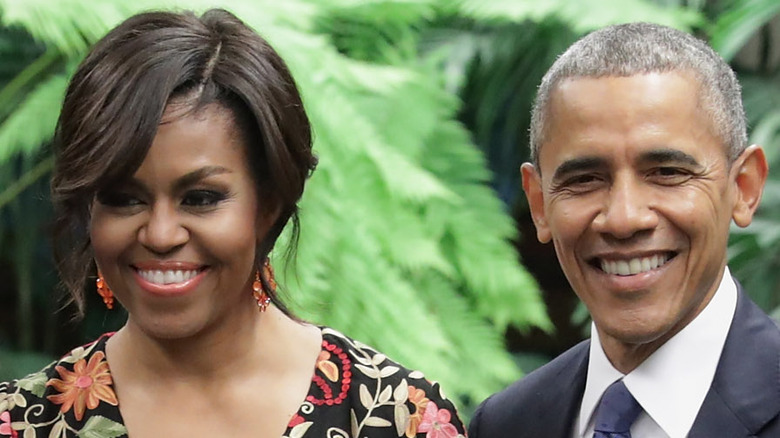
(639, 48)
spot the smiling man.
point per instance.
(640, 163)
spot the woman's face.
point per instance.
(176, 242)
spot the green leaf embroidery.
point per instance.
(102, 427)
(35, 383)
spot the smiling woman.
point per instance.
(182, 151)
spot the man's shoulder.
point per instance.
(549, 393)
(539, 381)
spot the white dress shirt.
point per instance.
(672, 383)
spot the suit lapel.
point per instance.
(565, 397)
(745, 392)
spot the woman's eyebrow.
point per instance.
(199, 174)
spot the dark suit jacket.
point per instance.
(743, 400)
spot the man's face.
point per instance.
(636, 193)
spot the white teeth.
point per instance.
(167, 277)
(632, 266)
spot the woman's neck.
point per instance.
(245, 343)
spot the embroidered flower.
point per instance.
(84, 387)
(5, 425)
(436, 422)
(420, 401)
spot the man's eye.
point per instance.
(202, 198)
(669, 171)
(670, 175)
(117, 199)
(581, 179)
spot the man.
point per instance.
(640, 163)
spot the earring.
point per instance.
(104, 291)
(261, 295)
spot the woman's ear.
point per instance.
(751, 171)
(532, 185)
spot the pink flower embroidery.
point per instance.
(436, 422)
(5, 425)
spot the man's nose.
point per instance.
(626, 210)
(163, 230)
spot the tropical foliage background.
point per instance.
(413, 222)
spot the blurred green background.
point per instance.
(415, 235)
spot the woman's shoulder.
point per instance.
(384, 391)
(71, 396)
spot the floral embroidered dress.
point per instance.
(355, 392)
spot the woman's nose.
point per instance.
(163, 231)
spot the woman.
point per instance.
(182, 150)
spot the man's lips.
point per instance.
(632, 265)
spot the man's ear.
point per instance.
(532, 185)
(751, 172)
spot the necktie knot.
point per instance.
(616, 411)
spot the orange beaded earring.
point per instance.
(104, 291)
(262, 296)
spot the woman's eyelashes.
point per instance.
(203, 198)
(117, 198)
(197, 199)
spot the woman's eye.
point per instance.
(117, 199)
(202, 198)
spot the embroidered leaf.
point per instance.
(77, 354)
(35, 383)
(365, 397)
(377, 422)
(401, 415)
(416, 375)
(19, 400)
(299, 430)
(378, 358)
(353, 420)
(401, 392)
(364, 360)
(30, 432)
(385, 395)
(369, 372)
(102, 427)
(21, 425)
(388, 371)
(57, 431)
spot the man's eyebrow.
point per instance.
(666, 156)
(578, 165)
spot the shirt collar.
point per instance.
(672, 383)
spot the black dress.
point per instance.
(355, 392)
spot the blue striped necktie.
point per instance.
(615, 413)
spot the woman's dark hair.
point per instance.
(116, 99)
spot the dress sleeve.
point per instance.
(434, 414)
(387, 399)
